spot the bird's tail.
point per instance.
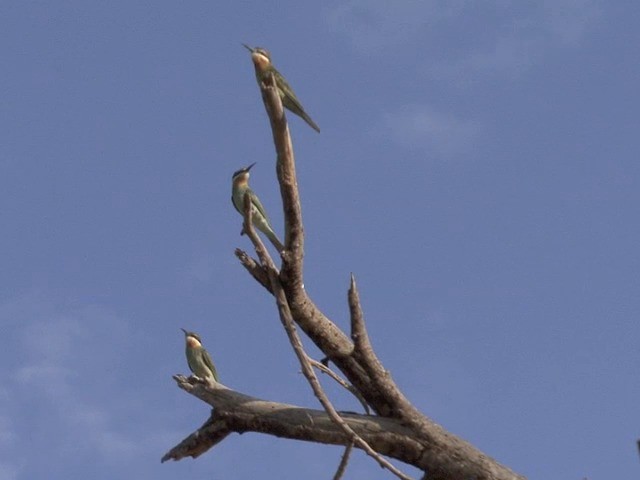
(275, 241)
(310, 122)
(296, 108)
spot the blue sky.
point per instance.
(477, 169)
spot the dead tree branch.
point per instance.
(240, 413)
(296, 343)
(344, 461)
(399, 431)
(449, 456)
(254, 268)
(341, 381)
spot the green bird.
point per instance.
(263, 66)
(198, 358)
(240, 186)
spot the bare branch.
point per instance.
(307, 370)
(447, 456)
(363, 350)
(254, 268)
(343, 462)
(325, 369)
(287, 178)
(441, 461)
(381, 378)
(320, 329)
(294, 339)
(207, 436)
(241, 413)
(388, 436)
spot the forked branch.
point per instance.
(296, 344)
(399, 431)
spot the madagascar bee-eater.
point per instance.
(198, 358)
(263, 66)
(240, 187)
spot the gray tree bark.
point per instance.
(397, 430)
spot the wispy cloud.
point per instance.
(495, 37)
(64, 353)
(522, 41)
(9, 471)
(66, 383)
(423, 128)
(508, 57)
(375, 24)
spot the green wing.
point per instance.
(290, 100)
(256, 203)
(209, 363)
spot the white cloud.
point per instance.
(9, 471)
(66, 383)
(421, 127)
(507, 57)
(59, 349)
(52, 338)
(42, 375)
(374, 24)
(498, 37)
(523, 41)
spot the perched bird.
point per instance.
(263, 66)
(198, 358)
(240, 186)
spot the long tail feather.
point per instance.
(275, 241)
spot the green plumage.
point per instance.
(287, 95)
(198, 359)
(259, 216)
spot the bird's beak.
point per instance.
(250, 167)
(248, 47)
(185, 332)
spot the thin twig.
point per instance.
(325, 369)
(343, 462)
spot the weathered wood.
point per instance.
(399, 431)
